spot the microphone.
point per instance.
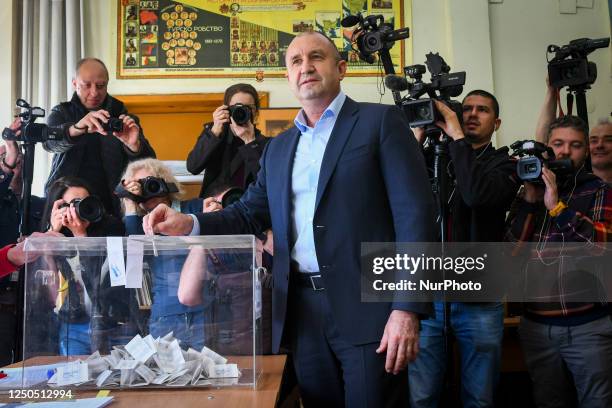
(396, 82)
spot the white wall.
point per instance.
(520, 32)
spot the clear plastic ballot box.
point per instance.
(141, 311)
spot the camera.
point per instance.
(240, 113)
(89, 208)
(531, 161)
(373, 34)
(150, 186)
(113, 125)
(444, 85)
(570, 67)
(33, 132)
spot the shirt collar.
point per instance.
(331, 111)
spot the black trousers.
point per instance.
(329, 370)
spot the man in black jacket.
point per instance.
(482, 190)
(88, 150)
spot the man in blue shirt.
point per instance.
(346, 173)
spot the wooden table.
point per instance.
(266, 394)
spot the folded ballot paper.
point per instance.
(147, 361)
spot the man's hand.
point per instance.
(11, 148)
(551, 193)
(91, 123)
(165, 220)
(400, 340)
(211, 204)
(129, 136)
(450, 125)
(16, 255)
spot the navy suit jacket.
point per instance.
(373, 187)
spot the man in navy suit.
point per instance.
(347, 173)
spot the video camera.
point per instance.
(150, 186)
(444, 85)
(373, 34)
(531, 161)
(33, 132)
(570, 67)
(89, 208)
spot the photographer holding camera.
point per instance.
(72, 210)
(100, 137)
(146, 184)
(567, 345)
(600, 136)
(229, 148)
(10, 212)
(484, 188)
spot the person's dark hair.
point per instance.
(56, 191)
(571, 122)
(485, 94)
(244, 88)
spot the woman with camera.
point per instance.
(72, 211)
(229, 148)
(145, 184)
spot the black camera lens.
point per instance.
(240, 113)
(89, 208)
(113, 125)
(151, 186)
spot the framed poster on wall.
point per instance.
(238, 38)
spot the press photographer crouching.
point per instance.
(146, 184)
(567, 346)
(72, 210)
(482, 188)
(229, 148)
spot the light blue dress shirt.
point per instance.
(305, 179)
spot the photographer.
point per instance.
(229, 151)
(484, 188)
(77, 296)
(567, 345)
(167, 313)
(10, 213)
(88, 149)
(600, 137)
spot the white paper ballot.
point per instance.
(169, 356)
(218, 359)
(101, 379)
(225, 371)
(72, 373)
(139, 349)
(133, 268)
(127, 365)
(116, 264)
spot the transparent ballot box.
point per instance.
(141, 312)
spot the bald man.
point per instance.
(95, 155)
(345, 174)
(600, 148)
